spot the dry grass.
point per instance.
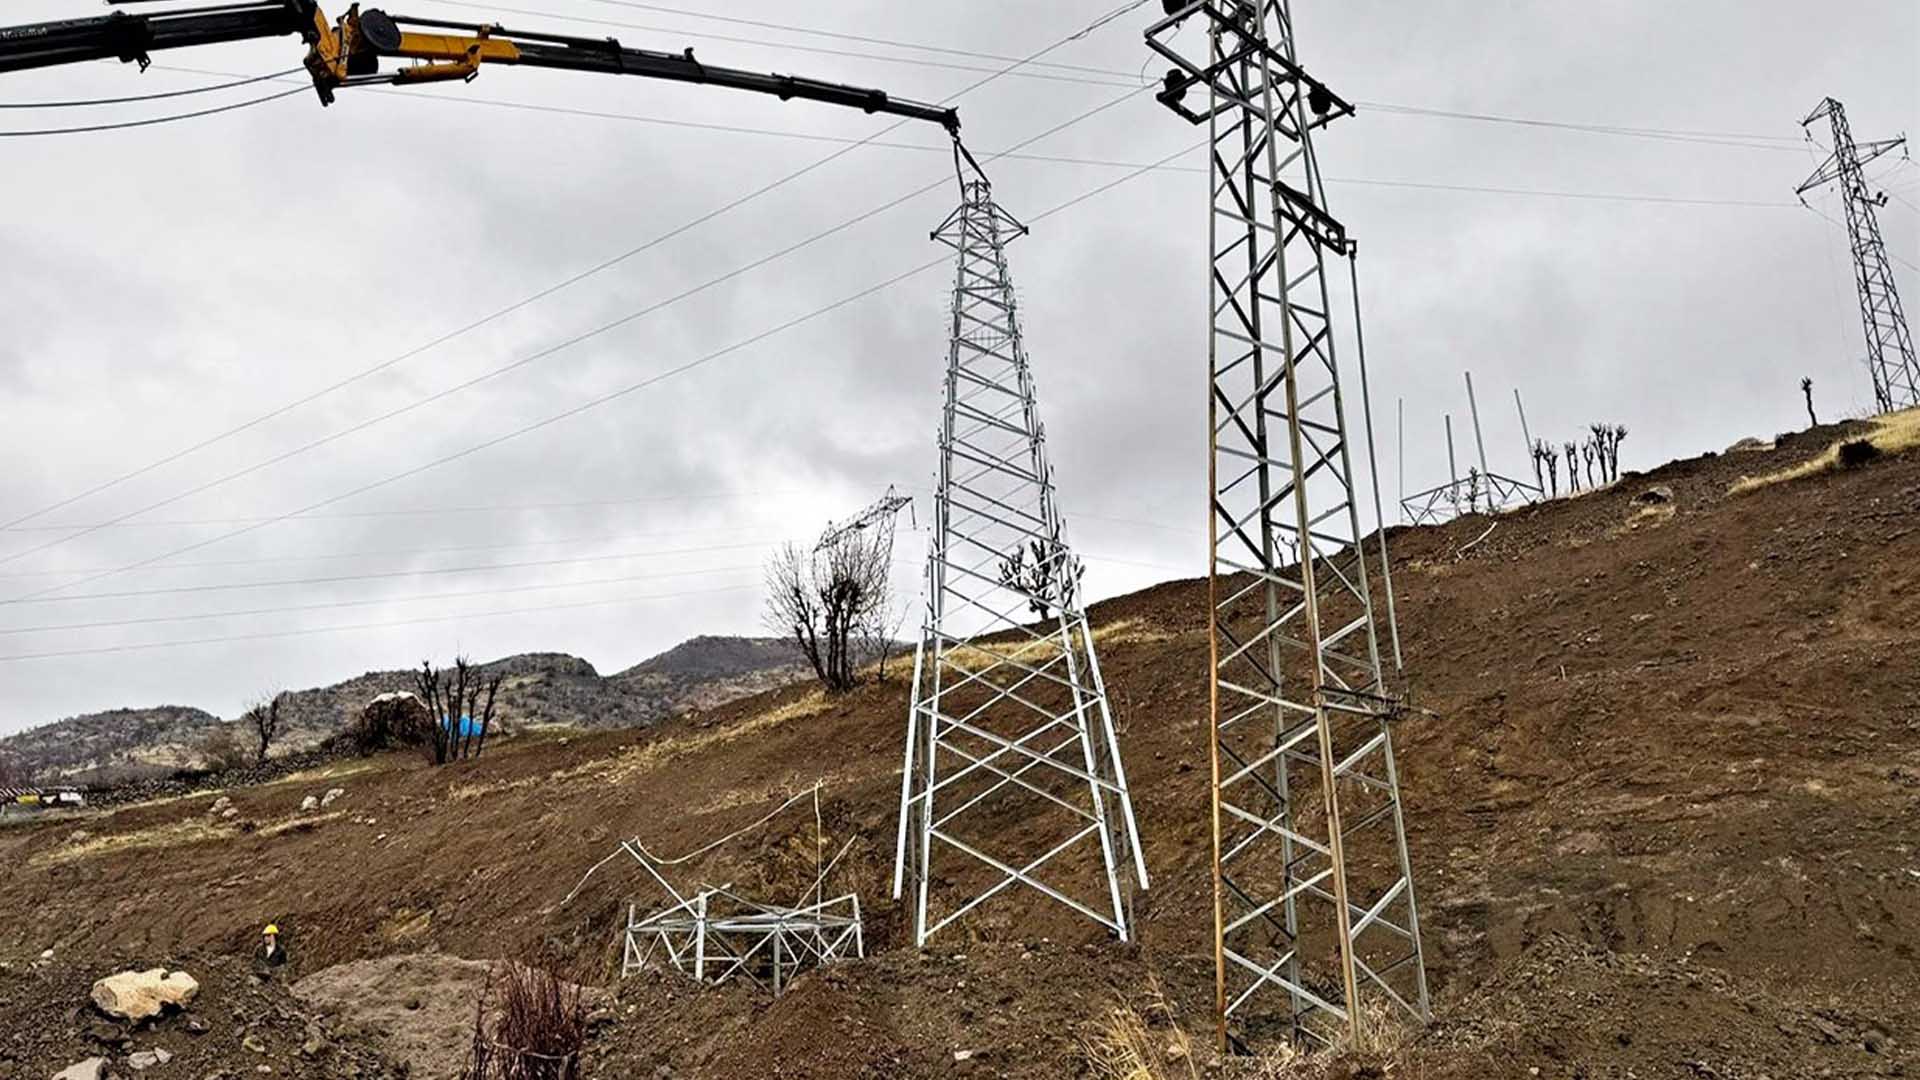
(1131, 632)
(173, 834)
(1141, 1044)
(303, 823)
(1147, 1044)
(332, 771)
(1892, 434)
(650, 755)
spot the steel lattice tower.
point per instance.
(1314, 907)
(1012, 773)
(1896, 376)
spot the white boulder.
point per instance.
(140, 995)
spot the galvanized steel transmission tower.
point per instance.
(1313, 894)
(1896, 375)
(1012, 774)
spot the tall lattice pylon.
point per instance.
(1896, 375)
(1012, 774)
(1314, 908)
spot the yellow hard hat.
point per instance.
(271, 929)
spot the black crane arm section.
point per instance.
(349, 51)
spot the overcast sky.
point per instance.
(160, 286)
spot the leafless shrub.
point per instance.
(1854, 453)
(832, 602)
(537, 1032)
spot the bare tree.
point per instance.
(1806, 387)
(1588, 451)
(454, 698)
(1613, 448)
(1544, 455)
(1573, 468)
(832, 602)
(430, 685)
(1043, 571)
(264, 719)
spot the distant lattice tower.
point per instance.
(1012, 777)
(1896, 375)
(1315, 924)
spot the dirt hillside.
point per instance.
(1663, 820)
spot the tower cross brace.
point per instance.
(1012, 776)
(1314, 907)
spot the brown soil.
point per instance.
(237, 1023)
(1663, 821)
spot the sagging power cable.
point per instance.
(517, 305)
(159, 96)
(152, 120)
(611, 396)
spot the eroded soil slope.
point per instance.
(1663, 820)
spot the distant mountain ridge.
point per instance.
(536, 688)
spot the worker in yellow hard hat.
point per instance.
(271, 953)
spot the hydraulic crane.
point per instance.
(348, 52)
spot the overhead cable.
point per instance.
(89, 102)
(584, 406)
(517, 305)
(152, 120)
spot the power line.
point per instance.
(540, 354)
(386, 575)
(150, 121)
(739, 129)
(1891, 254)
(283, 609)
(1116, 77)
(865, 39)
(88, 102)
(502, 312)
(788, 46)
(264, 635)
(265, 560)
(590, 404)
(421, 511)
(1709, 138)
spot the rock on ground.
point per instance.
(140, 995)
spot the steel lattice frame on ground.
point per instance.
(717, 936)
(1313, 893)
(1489, 494)
(1012, 773)
(1896, 374)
